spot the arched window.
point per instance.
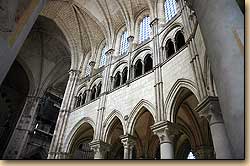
(169, 48)
(83, 100)
(124, 75)
(148, 63)
(103, 57)
(78, 103)
(144, 33)
(124, 43)
(87, 71)
(117, 80)
(93, 92)
(179, 40)
(138, 68)
(99, 87)
(170, 9)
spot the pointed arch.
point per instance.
(179, 84)
(137, 111)
(110, 120)
(165, 38)
(75, 50)
(120, 63)
(70, 137)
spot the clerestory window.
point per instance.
(170, 9)
(123, 43)
(145, 29)
(103, 57)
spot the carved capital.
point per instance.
(166, 131)
(128, 140)
(209, 108)
(99, 146)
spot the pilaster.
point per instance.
(130, 49)
(67, 104)
(102, 102)
(157, 72)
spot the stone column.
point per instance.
(100, 149)
(210, 109)
(55, 151)
(224, 41)
(166, 131)
(128, 142)
(130, 49)
(102, 102)
(25, 124)
(158, 73)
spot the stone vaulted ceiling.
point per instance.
(87, 23)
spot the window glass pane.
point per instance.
(145, 30)
(103, 57)
(87, 71)
(124, 43)
(170, 9)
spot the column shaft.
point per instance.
(167, 151)
(210, 109)
(55, 150)
(224, 41)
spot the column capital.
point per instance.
(128, 140)
(165, 130)
(99, 146)
(209, 108)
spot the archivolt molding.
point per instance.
(174, 27)
(141, 54)
(95, 81)
(69, 138)
(108, 123)
(119, 67)
(136, 112)
(81, 89)
(171, 98)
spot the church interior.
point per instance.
(122, 79)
